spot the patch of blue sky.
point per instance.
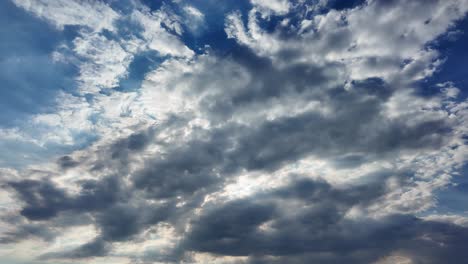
(212, 32)
(215, 12)
(341, 5)
(126, 27)
(154, 5)
(453, 199)
(21, 154)
(30, 81)
(452, 48)
(142, 64)
(197, 33)
(29, 77)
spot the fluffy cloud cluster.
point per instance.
(310, 141)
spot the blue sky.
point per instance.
(26, 45)
(254, 131)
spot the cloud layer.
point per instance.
(308, 133)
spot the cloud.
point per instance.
(100, 56)
(267, 225)
(195, 19)
(27, 43)
(94, 15)
(347, 36)
(315, 138)
(105, 62)
(66, 162)
(156, 36)
(277, 6)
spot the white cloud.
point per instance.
(194, 19)
(448, 218)
(255, 38)
(159, 39)
(93, 14)
(378, 48)
(395, 259)
(105, 62)
(279, 7)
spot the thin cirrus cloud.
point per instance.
(212, 132)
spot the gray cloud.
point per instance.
(66, 162)
(190, 169)
(319, 231)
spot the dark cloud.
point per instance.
(98, 194)
(135, 142)
(27, 231)
(267, 83)
(235, 228)
(231, 229)
(119, 228)
(359, 129)
(44, 200)
(116, 215)
(315, 229)
(119, 153)
(183, 172)
(356, 125)
(189, 170)
(66, 162)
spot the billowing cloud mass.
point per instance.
(262, 131)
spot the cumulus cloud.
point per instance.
(309, 140)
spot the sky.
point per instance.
(233, 132)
